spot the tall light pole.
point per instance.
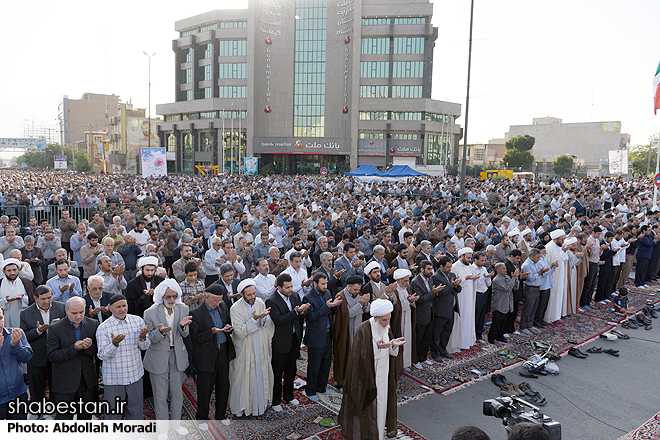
(149, 114)
(467, 107)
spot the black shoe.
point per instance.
(577, 353)
(632, 323)
(497, 379)
(527, 373)
(652, 312)
(647, 312)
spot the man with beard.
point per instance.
(63, 285)
(141, 234)
(377, 289)
(96, 299)
(287, 312)
(406, 300)
(251, 373)
(463, 334)
(401, 260)
(178, 267)
(445, 304)
(140, 290)
(166, 358)
(334, 276)
(556, 252)
(298, 246)
(120, 340)
(349, 264)
(346, 322)
(15, 292)
(113, 277)
(369, 403)
(34, 257)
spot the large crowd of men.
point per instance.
(219, 282)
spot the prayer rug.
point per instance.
(404, 433)
(637, 297)
(648, 431)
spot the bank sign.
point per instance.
(302, 146)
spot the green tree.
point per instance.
(82, 163)
(563, 165)
(517, 154)
(638, 156)
(46, 157)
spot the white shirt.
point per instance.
(169, 322)
(481, 283)
(265, 285)
(140, 238)
(297, 277)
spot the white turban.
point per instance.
(381, 307)
(401, 273)
(160, 290)
(570, 241)
(244, 284)
(557, 233)
(465, 250)
(9, 261)
(513, 233)
(144, 261)
(371, 266)
(526, 231)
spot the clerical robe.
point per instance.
(13, 308)
(572, 302)
(463, 334)
(369, 401)
(251, 373)
(560, 279)
(582, 271)
(346, 322)
(407, 322)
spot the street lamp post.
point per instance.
(467, 107)
(149, 114)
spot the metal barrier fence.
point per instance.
(52, 213)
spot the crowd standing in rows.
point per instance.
(219, 281)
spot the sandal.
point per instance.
(612, 352)
(595, 350)
(620, 335)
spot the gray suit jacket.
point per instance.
(343, 263)
(74, 271)
(157, 355)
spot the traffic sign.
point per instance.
(324, 171)
(657, 180)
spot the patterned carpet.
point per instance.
(637, 297)
(404, 433)
(648, 431)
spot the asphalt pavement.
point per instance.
(601, 397)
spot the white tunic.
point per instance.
(463, 334)
(560, 279)
(13, 309)
(382, 368)
(406, 324)
(573, 263)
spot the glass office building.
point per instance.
(303, 84)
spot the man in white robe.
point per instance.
(406, 299)
(559, 276)
(463, 335)
(13, 295)
(250, 373)
(572, 302)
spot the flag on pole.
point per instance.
(656, 90)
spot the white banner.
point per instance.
(154, 162)
(60, 162)
(618, 162)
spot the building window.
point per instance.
(364, 135)
(208, 52)
(405, 136)
(309, 69)
(205, 142)
(437, 149)
(410, 20)
(208, 93)
(189, 56)
(408, 45)
(373, 91)
(208, 115)
(375, 46)
(170, 118)
(233, 114)
(232, 91)
(98, 139)
(190, 116)
(207, 73)
(374, 69)
(232, 48)
(233, 24)
(375, 21)
(189, 95)
(479, 154)
(232, 70)
(408, 69)
(189, 32)
(188, 76)
(436, 117)
(406, 91)
(208, 27)
(373, 116)
(406, 116)
(171, 143)
(187, 153)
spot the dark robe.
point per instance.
(358, 416)
(137, 300)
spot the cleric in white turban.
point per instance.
(369, 374)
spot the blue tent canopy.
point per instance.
(365, 170)
(398, 171)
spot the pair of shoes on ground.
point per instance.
(610, 351)
(649, 312)
(644, 321)
(575, 352)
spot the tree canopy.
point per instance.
(563, 165)
(517, 154)
(638, 156)
(521, 143)
(45, 158)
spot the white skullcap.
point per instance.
(570, 241)
(9, 261)
(401, 273)
(513, 233)
(381, 307)
(557, 233)
(245, 284)
(144, 261)
(371, 266)
(526, 231)
(465, 250)
(160, 290)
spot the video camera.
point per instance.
(513, 410)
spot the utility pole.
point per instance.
(467, 107)
(149, 113)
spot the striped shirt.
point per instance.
(122, 365)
